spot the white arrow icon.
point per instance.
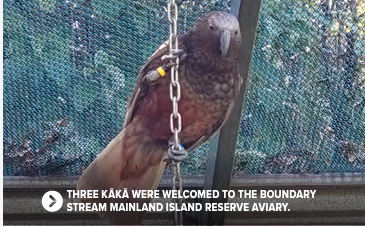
(52, 201)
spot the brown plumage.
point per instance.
(210, 81)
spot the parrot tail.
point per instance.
(123, 165)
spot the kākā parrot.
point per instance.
(210, 82)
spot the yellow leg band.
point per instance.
(161, 71)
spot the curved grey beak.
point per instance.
(224, 42)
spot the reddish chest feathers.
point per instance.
(203, 106)
(155, 110)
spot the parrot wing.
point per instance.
(122, 156)
(142, 84)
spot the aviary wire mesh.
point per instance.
(70, 67)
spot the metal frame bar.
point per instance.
(247, 180)
(222, 150)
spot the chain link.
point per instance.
(177, 185)
(175, 94)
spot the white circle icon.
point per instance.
(52, 201)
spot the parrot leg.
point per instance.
(153, 75)
(177, 154)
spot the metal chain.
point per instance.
(177, 185)
(175, 94)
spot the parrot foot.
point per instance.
(181, 54)
(154, 75)
(176, 153)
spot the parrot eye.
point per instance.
(236, 32)
(211, 27)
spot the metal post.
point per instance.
(223, 146)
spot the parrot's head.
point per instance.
(218, 34)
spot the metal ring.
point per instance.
(169, 12)
(178, 117)
(175, 108)
(176, 134)
(178, 91)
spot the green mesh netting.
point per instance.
(305, 103)
(70, 67)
